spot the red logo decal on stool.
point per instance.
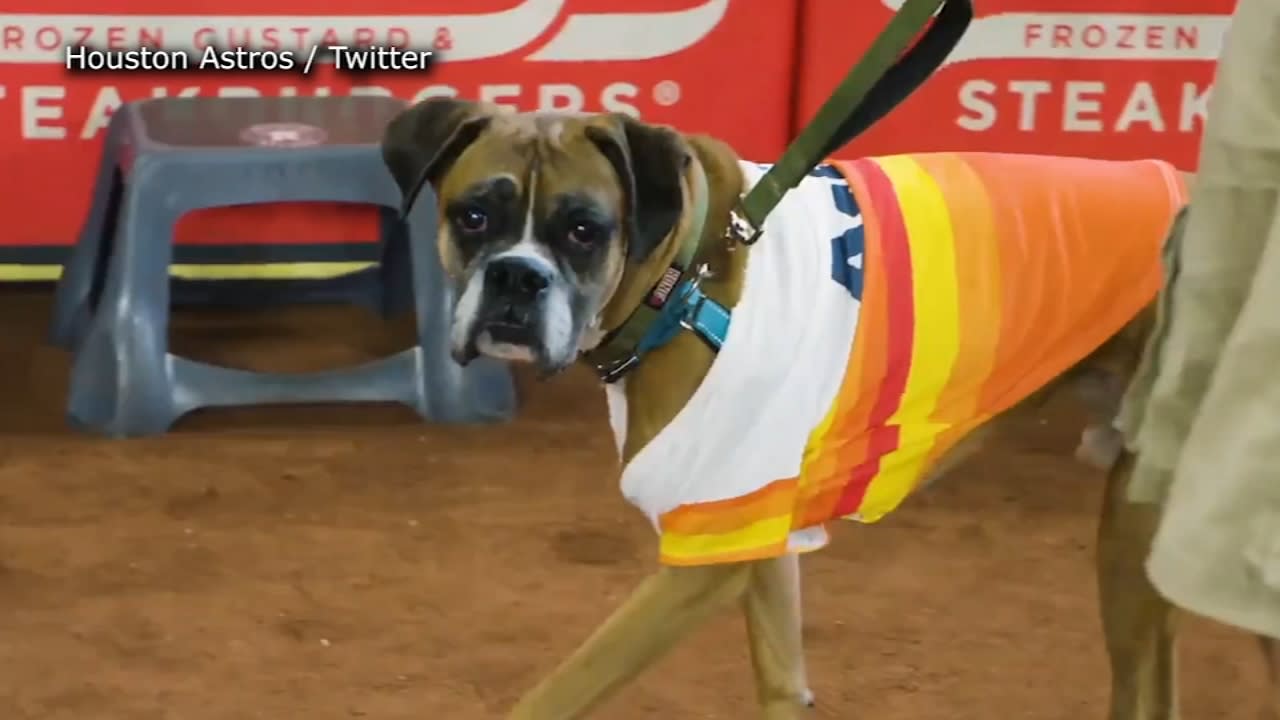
(283, 135)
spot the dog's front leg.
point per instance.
(667, 606)
(772, 607)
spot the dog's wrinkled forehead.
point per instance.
(547, 160)
(609, 176)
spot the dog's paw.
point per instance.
(1100, 446)
(807, 698)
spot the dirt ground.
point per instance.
(348, 562)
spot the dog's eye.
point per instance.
(585, 233)
(473, 220)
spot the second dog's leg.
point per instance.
(772, 608)
(1137, 621)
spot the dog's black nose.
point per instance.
(517, 278)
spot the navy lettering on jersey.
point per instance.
(848, 248)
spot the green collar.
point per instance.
(617, 353)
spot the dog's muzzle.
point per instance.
(515, 289)
(503, 311)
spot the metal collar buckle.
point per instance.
(611, 373)
(740, 228)
(700, 273)
(685, 322)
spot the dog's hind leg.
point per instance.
(1139, 624)
(1271, 652)
(773, 612)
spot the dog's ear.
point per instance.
(421, 143)
(650, 162)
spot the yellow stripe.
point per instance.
(762, 533)
(247, 271)
(936, 338)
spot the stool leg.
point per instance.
(85, 267)
(121, 381)
(394, 275)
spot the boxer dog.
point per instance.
(555, 227)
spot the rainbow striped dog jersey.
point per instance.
(893, 305)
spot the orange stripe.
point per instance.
(978, 268)
(763, 533)
(733, 514)
(1015, 311)
(1056, 217)
(760, 553)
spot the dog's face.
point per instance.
(540, 217)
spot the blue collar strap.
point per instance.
(689, 309)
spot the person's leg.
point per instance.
(1217, 253)
(1217, 549)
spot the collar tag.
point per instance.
(658, 297)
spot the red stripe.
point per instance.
(895, 265)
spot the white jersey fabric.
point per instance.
(782, 362)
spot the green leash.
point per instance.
(885, 76)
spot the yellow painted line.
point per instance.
(255, 271)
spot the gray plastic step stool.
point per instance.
(167, 157)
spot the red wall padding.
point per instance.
(1085, 77)
(1114, 79)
